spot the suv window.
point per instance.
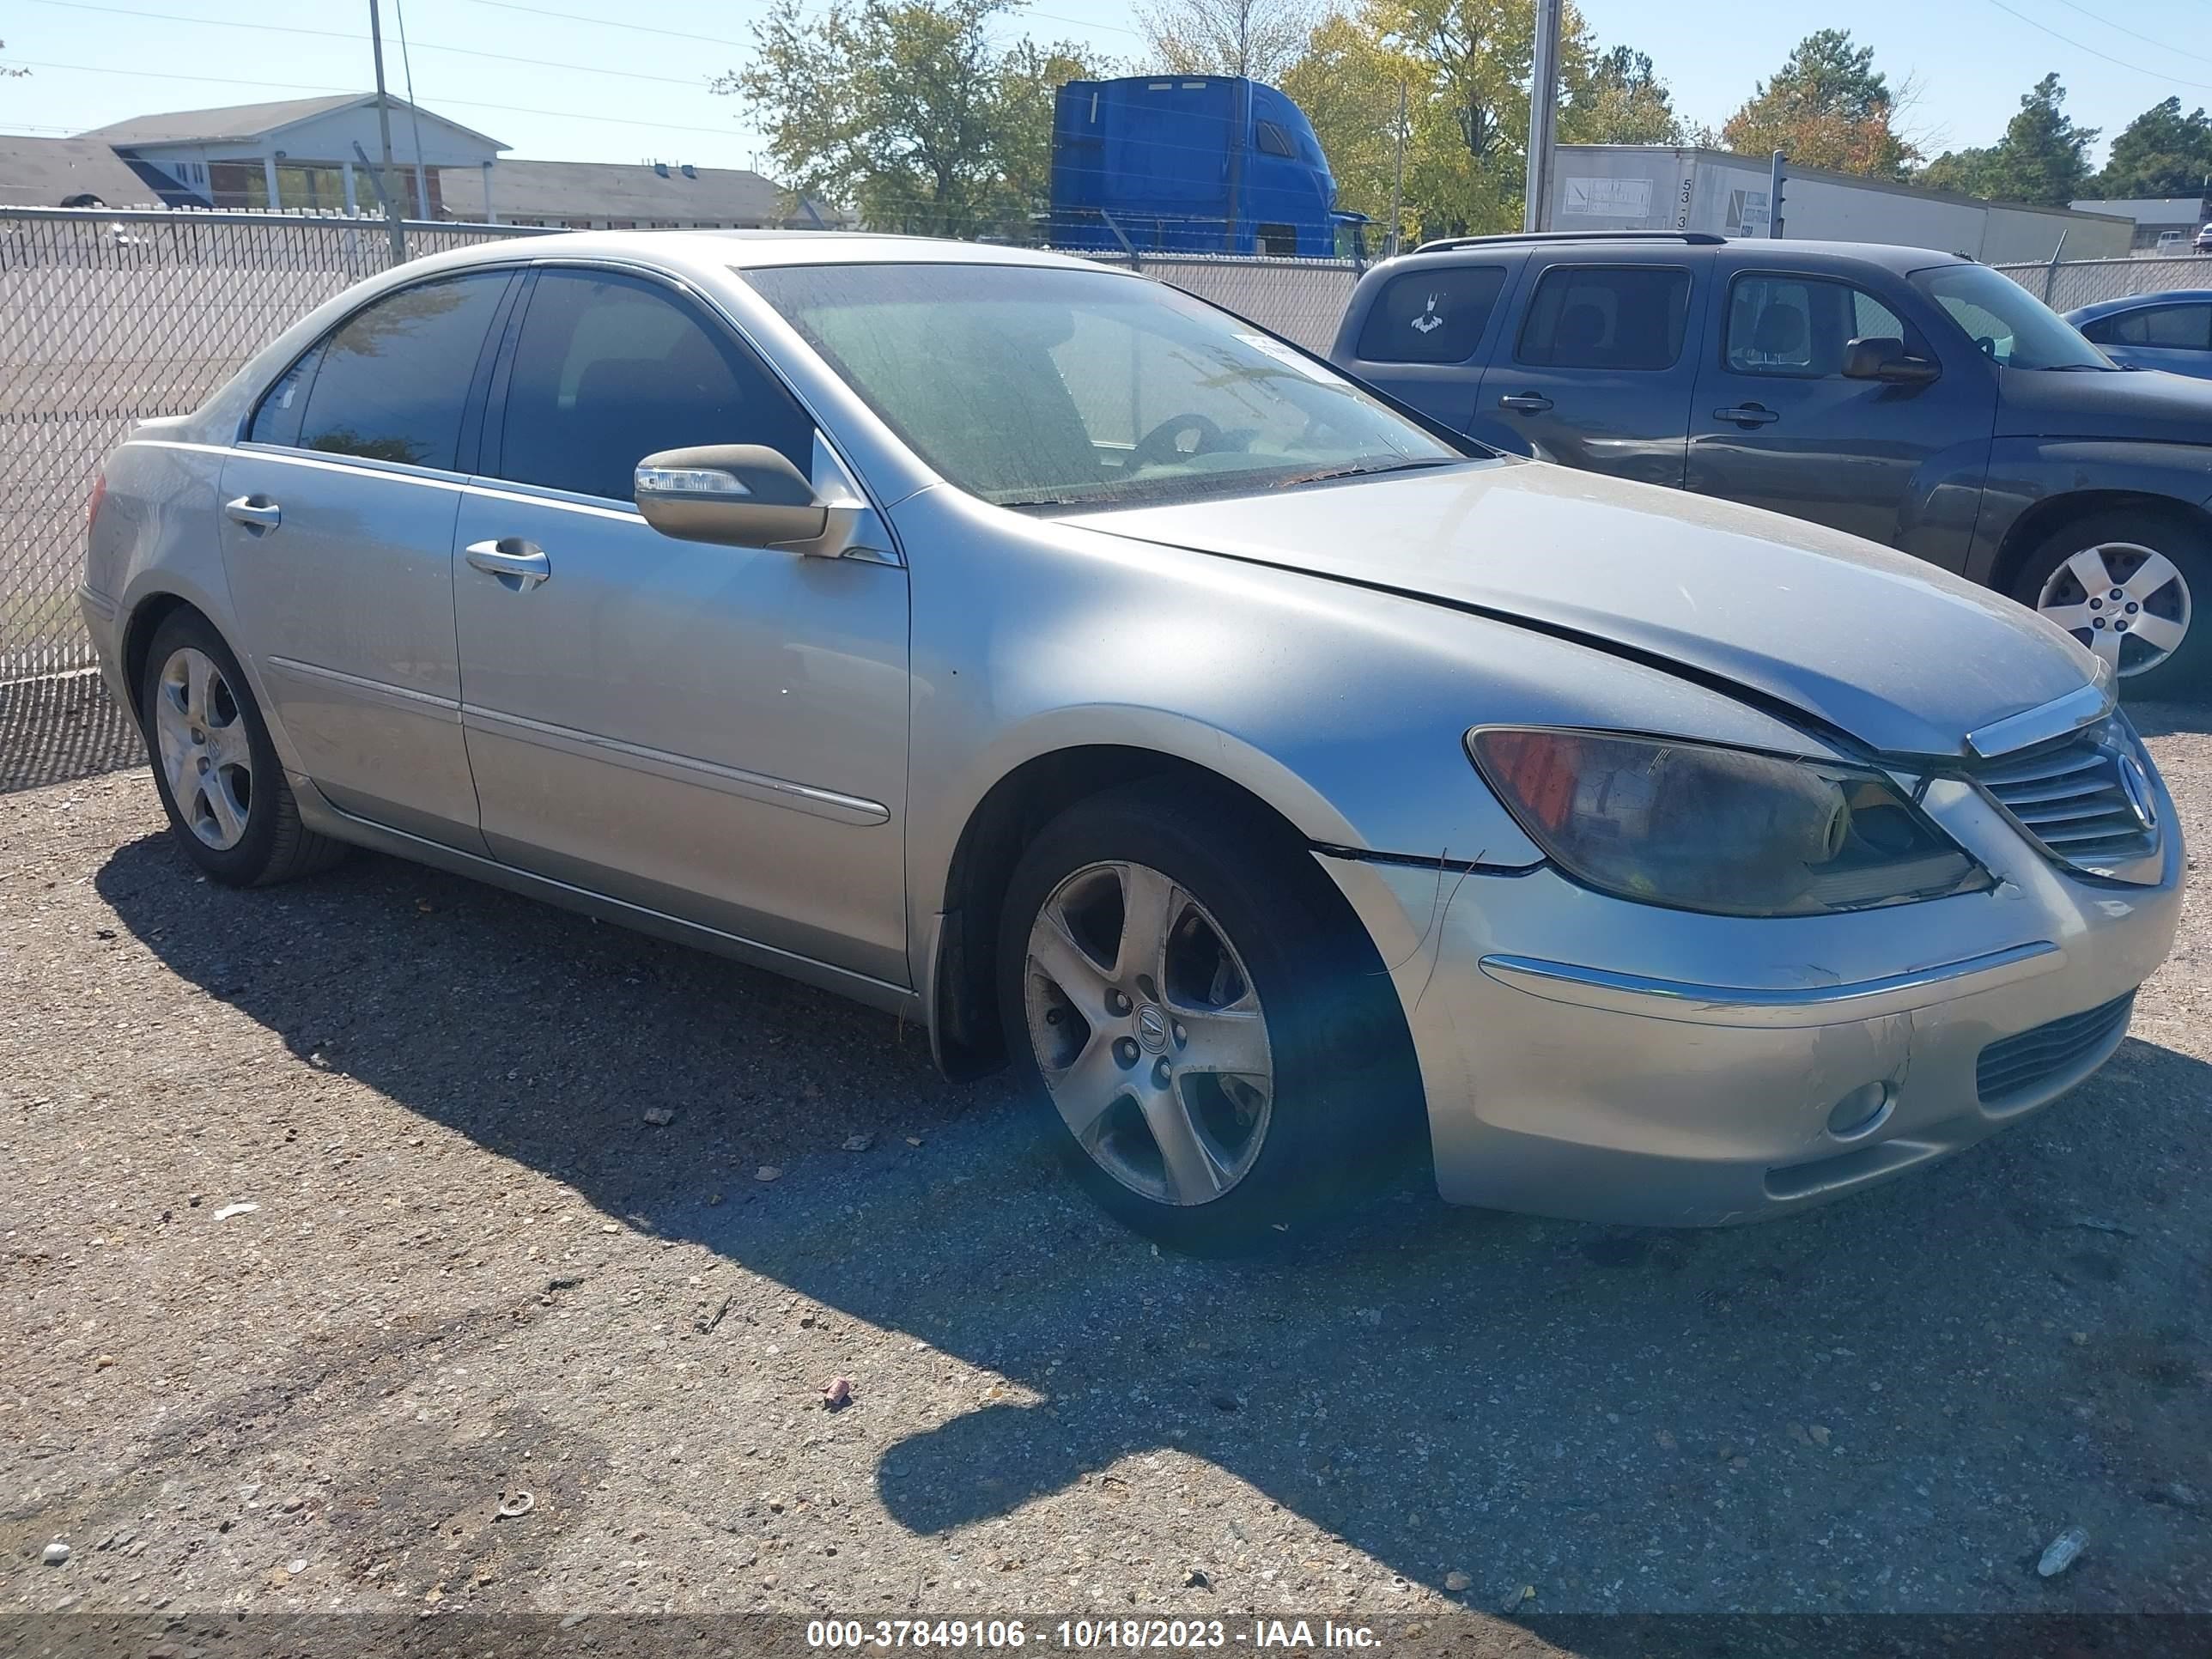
(1628, 317)
(609, 369)
(1431, 316)
(2187, 328)
(1797, 326)
(394, 378)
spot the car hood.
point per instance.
(2144, 404)
(1882, 647)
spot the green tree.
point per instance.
(1261, 38)
(1618, 98)
(906, 112)
(1827, 106)
(2042, 158)
(2161, 152)
(1347, 80)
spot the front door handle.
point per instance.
(257, 511)
(1746, 414)
(519, 564)
(1529, 403)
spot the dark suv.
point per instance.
(1912, 397)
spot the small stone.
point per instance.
(230, 1210)
(859, 1143)
(1797, 1432)
(1666, 1439)
(57, 1555)
(298, 1566)
(1456, 1581)
(660, 1116)
(1727, 1452)
(1820, 1435)
(1514, 1598)
(767, 1172)
(103, 1362)
(1196, 1578)
(914, 1141)
(837, 1394)
(2062, 1551)
(1739, 1462)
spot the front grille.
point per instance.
(2069, 798)
(2016, 1064)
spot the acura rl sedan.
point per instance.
(1278, 783)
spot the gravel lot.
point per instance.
(468, 1267)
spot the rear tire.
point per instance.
(229, 807)
(1209, 1036)
(2135, 587)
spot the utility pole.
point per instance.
(1777, 170)
(1398, 176)
(384, 133)
(1543, 116)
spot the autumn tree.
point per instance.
(1827, 106)
(1615, 97)
(1347, 82)
(907, 111)
(2161, 152)
(2042, 159)
(1261, 39)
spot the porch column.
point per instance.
(269, 173)
(491, 213)
(345, 171)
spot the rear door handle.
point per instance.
(1529, 403)
(519, 564)
(258, 511)
(1746, 414)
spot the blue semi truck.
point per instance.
(1191, 163)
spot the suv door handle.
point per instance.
(258, 511)
(519, 565)
(1748, 415)
(1529, 403)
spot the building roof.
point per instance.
(45, 171)
(2149, 209)
(243, 123)
(614, 189)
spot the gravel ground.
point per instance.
(466, 1266)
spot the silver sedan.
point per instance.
(1281, 784)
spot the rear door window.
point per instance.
(609, 369)
(1607, 317)
(1431, 316)
(393, 379)
(2183, 328)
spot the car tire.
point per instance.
(1236, 1067)
(2136, 550)
(220, 783)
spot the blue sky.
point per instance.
(613, 80)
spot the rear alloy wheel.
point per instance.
(202, 747)
(2126, 588)
(1210, 1037)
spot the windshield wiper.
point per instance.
(1357, 471)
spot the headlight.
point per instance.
(1723, 831)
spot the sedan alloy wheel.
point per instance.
(2128, 603)
(205, 752)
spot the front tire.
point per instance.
(2133, 586)
(220, 783)
(1208, 1032)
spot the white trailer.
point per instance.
(1656, 187)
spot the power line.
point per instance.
(2150, 40)
(2122, 63)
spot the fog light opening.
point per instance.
(1861, 1112)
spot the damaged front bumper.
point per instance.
(1589, 1057)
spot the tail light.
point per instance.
(92, 507)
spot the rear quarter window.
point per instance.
(1431, 316)
(1607, 317)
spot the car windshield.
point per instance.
(1040, 386)
(2005, 320)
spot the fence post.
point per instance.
(2051, 270)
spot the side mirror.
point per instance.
(737, 496)
(1883, 357)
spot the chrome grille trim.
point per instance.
(2066, 795)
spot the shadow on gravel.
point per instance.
(1893, 1402)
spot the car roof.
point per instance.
(1673, 245)
(748, 249)
(2136, 301)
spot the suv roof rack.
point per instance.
(1695, 238)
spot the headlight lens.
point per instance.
(1724, 830)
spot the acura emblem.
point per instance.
(2137, 783)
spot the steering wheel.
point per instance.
(1159, 446)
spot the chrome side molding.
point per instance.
(2055, 719)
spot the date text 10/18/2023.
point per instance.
(1090, 1635)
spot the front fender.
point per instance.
(2025, 472)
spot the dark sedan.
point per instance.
(2171, 331)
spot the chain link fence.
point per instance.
(1301, 300)
(2068, 283)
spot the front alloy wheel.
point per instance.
(1148, 1033)
(2128, 603)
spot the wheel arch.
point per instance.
(145, 620)
(965, 1034)
(2051, 514)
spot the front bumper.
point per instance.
(1589, 1057)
